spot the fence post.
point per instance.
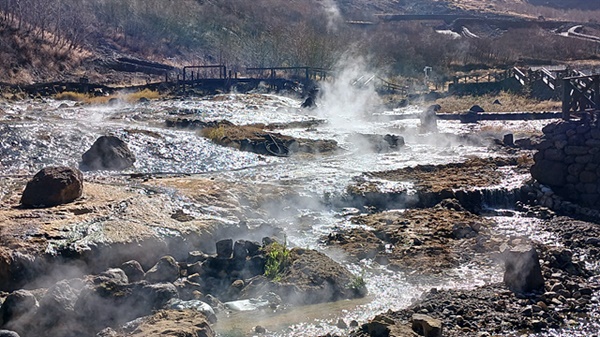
(566, 103)
(596, 79)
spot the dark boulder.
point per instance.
(108, 153)
(476, 108)
(224, 248)
(133, 270)
(523, 273)
(549, 172)
(17, 309)
(53, 186)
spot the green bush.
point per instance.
(278, 258)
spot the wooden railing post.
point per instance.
(566, 103)
(596, 87)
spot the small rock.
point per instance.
(508, 140)
(341, 324)
(476, 108)
(240, 252)
(259, 329)
(523, 273)
(224, 248)
(133, 270)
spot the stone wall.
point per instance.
(568, 161)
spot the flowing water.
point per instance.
(35, 134)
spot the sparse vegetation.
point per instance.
(215, 134)
(267, 33)
(146, 93)
(90, 99)
(72, 96)
(509, 103)
(278, 258)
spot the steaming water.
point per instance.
(36, 134)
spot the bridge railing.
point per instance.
(581, 94)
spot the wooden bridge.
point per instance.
(542, 82)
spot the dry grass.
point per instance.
(97, 100)
(214, 134)
(236, 132)
(72, 96)
(146, 93)
(509, 103)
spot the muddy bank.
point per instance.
(126, 257)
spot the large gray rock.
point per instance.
(523, 273)
(165, 270)
(110, 304)
(56, 315)
(53, 186)
(108, 153)
(426, 325)
(17, 309)
(312, 277)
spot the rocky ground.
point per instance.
(427, 185)
(570, 293)
(427, 241)
(431, 240)
(122, 259)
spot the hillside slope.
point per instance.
(68, 39)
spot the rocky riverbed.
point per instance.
(192, 229)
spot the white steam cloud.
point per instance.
(347, 99)
(334, 16)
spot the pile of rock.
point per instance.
(84, 306)
(129, 299)
(568, 160)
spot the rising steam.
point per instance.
(334, 16)
(348, 98)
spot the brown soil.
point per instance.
(118, 218)
(170, 323)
